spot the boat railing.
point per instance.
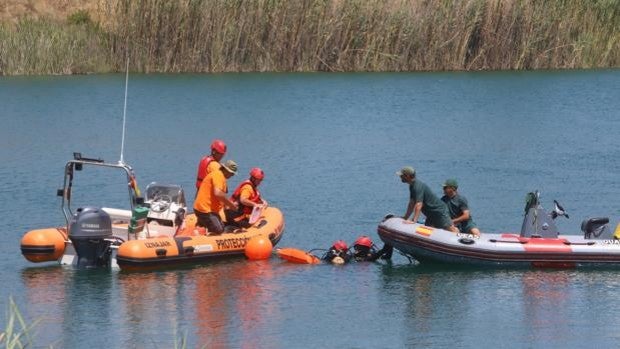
(77, 164)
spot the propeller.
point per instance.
(558, 210)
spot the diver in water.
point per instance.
(338, 253)
(364, 250)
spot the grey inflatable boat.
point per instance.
(537, 245)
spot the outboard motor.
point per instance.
(596, 228)
(89, 229)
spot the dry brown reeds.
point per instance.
(330, 35)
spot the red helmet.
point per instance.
(363, 241)
(257, 173)
(340, 246)
(219, 146)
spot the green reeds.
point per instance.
(47, 47)
(17, 334)
(321, 35)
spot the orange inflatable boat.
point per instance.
(154, 232)
(187, 247)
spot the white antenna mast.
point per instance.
(124, 109)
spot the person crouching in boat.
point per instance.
(246, 196)
(338, 253)
(212, 198)
(211, 162)
(423, 200)
(458, 208)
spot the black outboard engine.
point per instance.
(596, 228)
(89, 229)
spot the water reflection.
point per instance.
(545, 297)
(224, 304)
(46, 295)
(150, 304)
(66, 300)
(235, 304)
(219, 305)
(439, 300)
(89, 296)
(507, 308)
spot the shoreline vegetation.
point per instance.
(209, 36)
(17, 333)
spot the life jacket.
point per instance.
(246, 210)
(202, 169)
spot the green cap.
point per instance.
(451, 183)
(407, 170)
(230, 166)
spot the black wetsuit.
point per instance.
(333, 253)
(365, 254)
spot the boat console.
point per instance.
(538, 223)
(167, 208)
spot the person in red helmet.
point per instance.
(247, 197)
(364, 249)
(338, 253)
(210, 163)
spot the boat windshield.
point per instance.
(155, 191)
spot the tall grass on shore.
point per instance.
(16, 334)
(48, 47)
(322, 35)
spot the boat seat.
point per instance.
(595, 228)
(138, 220)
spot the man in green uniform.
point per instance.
(422, 200)
(458, 208)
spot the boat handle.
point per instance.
(589, 243)
(508, 241)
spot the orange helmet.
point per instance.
(257, 173)
(219, 146)
(340, 246)
(363, 241)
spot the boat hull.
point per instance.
(187, 248)
(430, 245)
(157, 251)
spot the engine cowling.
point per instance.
(90, 230)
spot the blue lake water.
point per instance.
(330, 145)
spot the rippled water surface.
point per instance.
(330, 145)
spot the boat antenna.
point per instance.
(125, 109)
